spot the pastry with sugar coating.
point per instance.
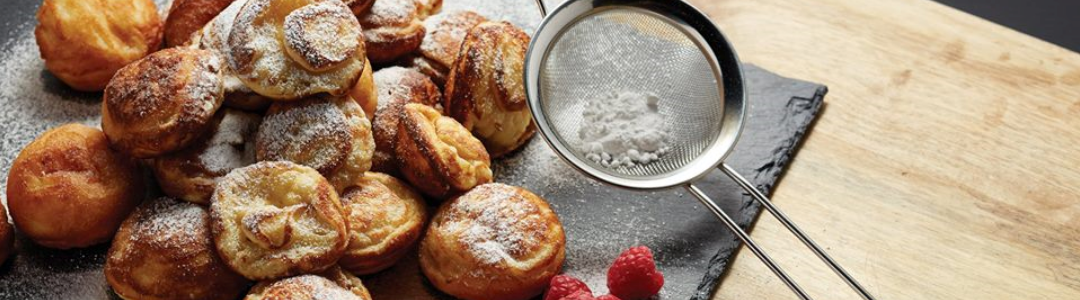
(277, 219)
(437, 155)
(386, 217)
(164, 251)
(496, 242)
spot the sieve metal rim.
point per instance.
(688, 19)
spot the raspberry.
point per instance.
(607, 297)
(579, 295)
(633, 276)
(564, 285)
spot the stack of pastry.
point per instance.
(279, 149)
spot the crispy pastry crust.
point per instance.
(485, 90)
(386, 218)
(277, 219)
(437, 155)
(84, 42)
(68, 189)
(188, 16)
(496, 242)
(397, 86)
(163, 102)
(445, 32)
(192, 173)
(330, 134)
(164, 251)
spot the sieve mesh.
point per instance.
(615, 49)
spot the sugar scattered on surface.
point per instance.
(232, 145)
(623, 129)
(496, 226)
(170, 223)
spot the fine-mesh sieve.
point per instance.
(586, 48)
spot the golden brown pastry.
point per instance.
(277, 219)
(213, 37)
(7, 236)
(364, 93)
(164, 251)
(332, 284)
(192, 173)
(437, 155)
(186, 17)
(496, 242)
(163, 102)
(330, 134)
(68, 189)
(386, 218)
(443, 40)
(392, 29)
(290, 49)
(397, 86)
(486, 91)
(84, 42)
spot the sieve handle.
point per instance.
(543, 8)
(764, 201)
(745, 238)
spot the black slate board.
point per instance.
(692, 246)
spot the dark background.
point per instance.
(1056, 21)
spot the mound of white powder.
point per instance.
(623, 129)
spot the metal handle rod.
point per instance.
(764, 201)
(745, 238)
(542, 7)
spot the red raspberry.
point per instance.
(564, 285)
(633, 276)
(579, 295)
(607, 297)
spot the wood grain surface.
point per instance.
(945, 165)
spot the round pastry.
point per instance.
(365, 93)
(437, 155)
(84, 42)
(485, 90)
(397, 86)
(68, 189)
(386, 218)
(392, 29)
(186, 17)
(163, 102)
(277, 219)
(443, 40)
(496, 242)
(333, 284)
(289, 49)
(163, 251)
(192, 173)
(328, 133)
(7, 236)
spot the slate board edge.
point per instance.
(718, 265)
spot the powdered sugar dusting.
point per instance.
(232, 145)
(388, 82)
(170, 223)
(623, 129)
(493, 226)
(300, 129)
